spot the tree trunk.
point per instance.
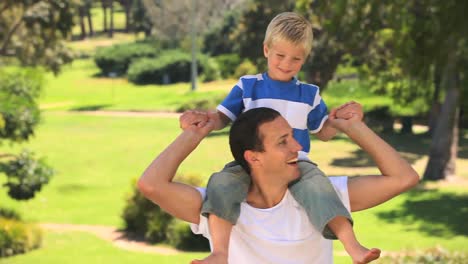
(435, 108)
(128, 5)
(104, 12)
(82, 23)
(9, 35)
(442, 154)
(450, 170)
(406, 125)
(90, 22)
(111, 24)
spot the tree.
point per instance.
(172, 25)
(250, 30)
(32, 34)
(32, 31)
(19, 114)
(408, 45)
(84, 10)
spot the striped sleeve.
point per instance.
(318, 115)
(233, 105)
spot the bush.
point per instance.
(228, 64)
(172, 66)
(25, 175)
(429, 256)
(144, 218)
(17, 237)
(201, 104)
(210, 69)
(9, 214)
(245, 68)
(117, 58)
(19, 112)
(181, 237)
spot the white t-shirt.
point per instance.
(281, 234)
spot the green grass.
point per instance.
(96, 158)
(77, 247)
(79, 87)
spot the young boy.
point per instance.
(288, 42)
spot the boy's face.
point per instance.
(278, 160)
(285, 60)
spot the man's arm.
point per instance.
(397, 174)
(180, 200)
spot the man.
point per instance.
(272, 228)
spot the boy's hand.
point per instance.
(193, 118)
(348, 111)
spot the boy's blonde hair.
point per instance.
(291, 27)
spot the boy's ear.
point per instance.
(265, 50)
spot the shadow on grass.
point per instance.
(90, 107)
(434, 212)
(411, 147)
(69, 188)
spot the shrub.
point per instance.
(117, 58)
(245, 68)
(19, 112)
(181, 237)
(172, 66)
(144, 218)
(435, 255)
(25, 175)
(17, 237)
(228, 64)
(9, 214)
(201, 104)
(210, 69)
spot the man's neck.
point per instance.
(265, 195)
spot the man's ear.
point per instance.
(265, 50)
(251, 157)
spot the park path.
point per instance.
(122, 113)
(111, 234)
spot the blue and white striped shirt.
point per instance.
(299, 103)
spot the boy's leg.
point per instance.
(225, 192)
(315, 193)
(327, 213)
(345, 233)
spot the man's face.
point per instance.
(285, 60)
(279, 159)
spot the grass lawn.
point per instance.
(77, 247)
(79, 87)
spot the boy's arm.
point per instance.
(397, 174)
(200, 118)
(346, 111)
(327, 132)
(220, 120)
(180, 200)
